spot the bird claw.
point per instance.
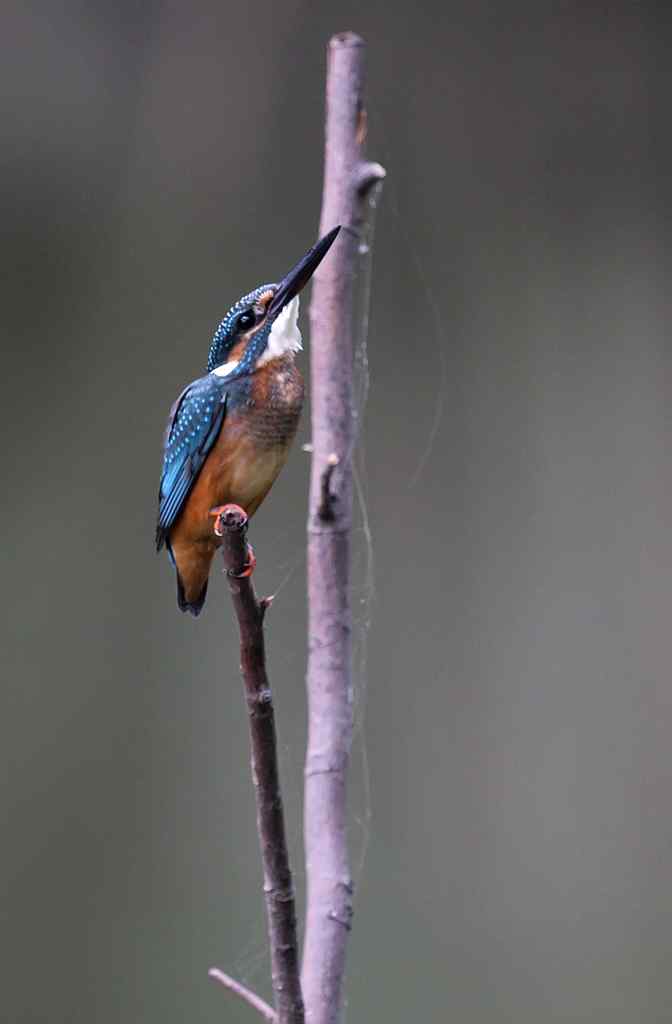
(219, 513)
(233, 515)
(248, 568)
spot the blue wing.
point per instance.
(193, 425)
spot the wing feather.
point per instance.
(194, 424)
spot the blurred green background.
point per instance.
(512, 778)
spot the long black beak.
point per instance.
(299, 276)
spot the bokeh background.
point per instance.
(512, 776)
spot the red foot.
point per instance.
(248, 568)
(234, 517)
(234, 514)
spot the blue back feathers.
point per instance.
(194, 423)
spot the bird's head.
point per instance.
(263, 323)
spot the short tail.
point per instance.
(194, 607)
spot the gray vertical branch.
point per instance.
(347, 180)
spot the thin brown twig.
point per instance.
(231, 526)
(259, 1004)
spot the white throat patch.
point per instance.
(225, 368)
(285, 335)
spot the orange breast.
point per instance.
(248, 454)
(250, 451)
(236, 470)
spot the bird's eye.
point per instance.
(246, 320)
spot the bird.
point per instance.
(230, 431)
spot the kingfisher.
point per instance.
(229, 432)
